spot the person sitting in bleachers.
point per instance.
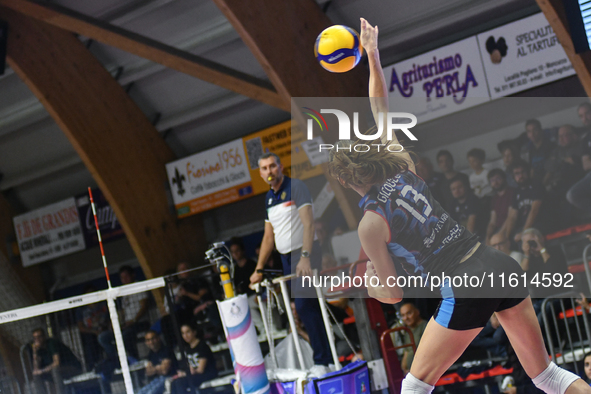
(479, 176)
(539, 148)
(465, 206)
(587, 367)
(432, 179)
(579, 194)
(411, 318)
(92, 320)
(134, 318)
(445, 161)
(200, 366)
(510, 157)
(527, 203)
(52, 361)
(161, 364)
(500, 202)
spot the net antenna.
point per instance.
(111, 295)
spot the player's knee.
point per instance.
(412, 385)
(554, 380)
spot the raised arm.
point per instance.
(378, 90)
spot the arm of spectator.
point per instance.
(200, 367)
(264, 253)
(48, 368)
(163, 368)
(583, 301)
(509, 224)
(150, 369)
(533, 214)
(471, 224)
(586, 160)
(492, 225)
(304, 266)
(194, 296)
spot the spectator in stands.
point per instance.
(587, 365)
(584, 112)
(445, 161)
(465, 206)
(510, 157)
(243, 267)
(432, 179)
(579, 194)
(492, 338)
(134, 318)
(564, 168)
(92, 320)
(479, 176)
(500, 242)
(411, 318)
(537, 259)
(200, 360)
(539, 149)
(52, 361)
(161, 364)
(500, 202)
(525, 208)
(193, 294)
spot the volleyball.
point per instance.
(338, 49)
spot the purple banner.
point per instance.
(108, 223)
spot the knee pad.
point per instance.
(554, 380)
(412, 385)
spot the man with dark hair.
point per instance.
(161, 364)
(445, 161)
(432, 179)
(500, 201)
(52, 361)
(579, 194)
(527, 203)
(466, 205)
(539, 148)
(134, 310)
(289, 226)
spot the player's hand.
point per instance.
(511, 390)
(304, 268)
(369, 36)
(256, 277)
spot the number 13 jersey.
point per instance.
(423, 237)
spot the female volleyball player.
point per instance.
(402, 219)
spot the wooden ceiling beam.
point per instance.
(150, 49)
(554, 12)
(120, 147)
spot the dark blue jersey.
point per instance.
(423, 237)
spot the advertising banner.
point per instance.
(230, 172)
(49, 232)
(437, 83)
(522, 55)
(108, 223)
